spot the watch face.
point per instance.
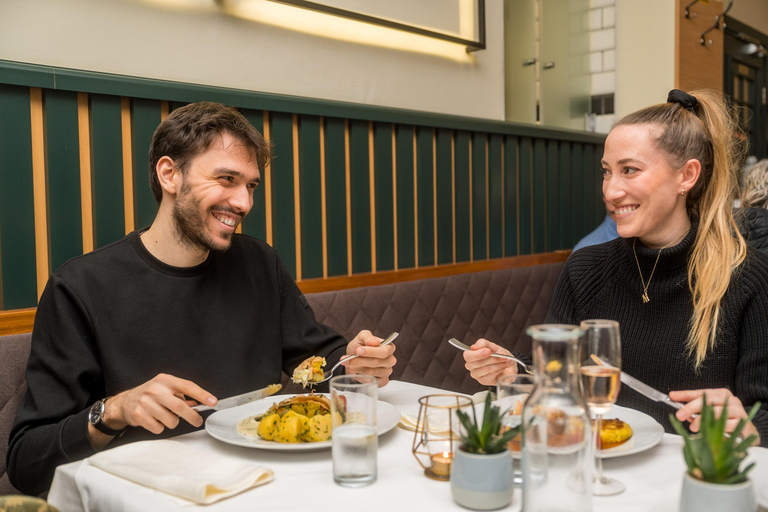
(96, 412)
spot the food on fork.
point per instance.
(303, 418)
(310, 370)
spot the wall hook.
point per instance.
(703, 40)
(688, 13)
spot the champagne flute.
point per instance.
(600, 357)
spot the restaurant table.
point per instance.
(303, 480)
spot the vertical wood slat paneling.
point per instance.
(394, 194)
(539, 196)
(511, 197)
(86, 176)
(255, 223)
(579, 212)
(444, 192)
(496, 201)
(553, 196)
(310, 179)
(283, 211)
(17, 224)
(526, 197)
(109, 153)
(424, 194)
(62, 166)
(323, 203)
(145, 116)
(479, 197)
(405, 206)
(296, 195)
(348, 190)
(385, 195)
(565, 197)
(336, 196)
(37, 133)
(463, 196)
(360, 190)
(267, 178)
(128, 191)
(372, 195)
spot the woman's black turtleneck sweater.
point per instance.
(602, 281)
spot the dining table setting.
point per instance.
(215, 469)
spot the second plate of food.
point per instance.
(222, 425)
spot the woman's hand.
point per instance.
(486, 369)
(693, 400)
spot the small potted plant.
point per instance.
(715, 480)
(481, 476)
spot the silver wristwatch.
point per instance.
(96, 418)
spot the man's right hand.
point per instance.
(155, 406)
(486, 369)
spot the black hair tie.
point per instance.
(683, 98)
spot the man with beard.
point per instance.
(127, 338)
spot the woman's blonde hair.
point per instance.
(710, 134)
(755, 193)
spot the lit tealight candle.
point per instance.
(441, 463)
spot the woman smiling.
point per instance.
(690, 297)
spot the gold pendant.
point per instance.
(645, 297)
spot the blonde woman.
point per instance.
(690, 296)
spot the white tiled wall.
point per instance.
(602, 61)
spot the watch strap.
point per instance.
(98, 421)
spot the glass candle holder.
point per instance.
(438, 433)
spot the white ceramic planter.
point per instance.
(698, 496)
(482, 482)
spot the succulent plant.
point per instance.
(712, 455)
(487, 438)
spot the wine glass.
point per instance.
(600, 357)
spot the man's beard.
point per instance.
(190, 227)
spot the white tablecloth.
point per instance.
(304, 479)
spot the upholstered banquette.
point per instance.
(494, 304)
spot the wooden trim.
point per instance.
(267, 177)
(471, 205)
(165, 109)
(17, 321)
(394, 188)
(323, 205)
(86, 176)
(412, 274)
(372, 194)
(40, 192)
(487, 203)
(453, 191)
(503, 202)
(415, 201)
(125, 118)
(434, 193)
(297, 195)
(348, 192)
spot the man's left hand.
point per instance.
(373, 359)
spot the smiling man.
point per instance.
(127, 338)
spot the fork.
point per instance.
(329, 373)
(528, 369)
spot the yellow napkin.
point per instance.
(175, 468)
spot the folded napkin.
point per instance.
(178, 469)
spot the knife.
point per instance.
(226, 403)
(645, 389)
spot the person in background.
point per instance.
(130, 336)
(754, 207)
(605, 232)
(690, 296)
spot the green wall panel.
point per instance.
(495, 197)
(511, 200)
(597, 177)
(444, 196)
(406, 246)
(145, 115)
(425, 180)
(591, 194)
(385, 230)
(283, 213)
(311, 205)
(335, 197)
(463, 214)
(539, 196)
(255, 223)
(107, 170)
(579, 182)
(566, 198)
(63, 173)
(479, 193)
(17, 216)
(360, 184)
(526, 195)
(553, 228)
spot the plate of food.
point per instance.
(624, 432)
(286, 423)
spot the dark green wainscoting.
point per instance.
(352, 189)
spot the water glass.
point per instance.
(354, 438)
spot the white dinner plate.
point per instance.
(646, 432)
(222, 425)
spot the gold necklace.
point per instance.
(646, 285)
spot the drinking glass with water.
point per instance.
(354, 438)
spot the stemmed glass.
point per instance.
(600, 357)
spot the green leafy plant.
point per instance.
(487, 438)
(712, 455)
